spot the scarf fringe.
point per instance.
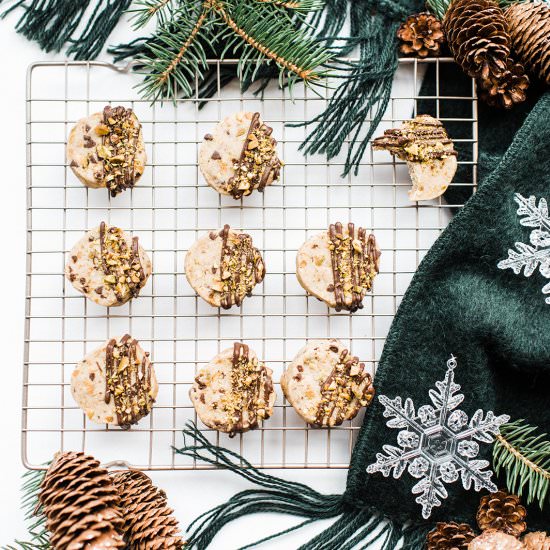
(359, 102)
(53, 24)
(352, 527)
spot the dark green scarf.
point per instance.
(460, 302)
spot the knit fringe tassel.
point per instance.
(54, 23)
(359, 102)
(354, 528)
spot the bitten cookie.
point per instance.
(224, 267)
(338, 266)
(116, 383)
(108, 266)
(240, 156)
(234, 392)
(430, 155)
(326, 385)
(106, 150)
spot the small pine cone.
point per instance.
(450, 536)
(149, 523)
(507, 89)
(537, 541)
(421, 34)
(80, 503)
(503, 512)
(477, 34)
(496, 540)
(529, 26)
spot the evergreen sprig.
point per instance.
(258, 32)
(35, 519)
(523, 453)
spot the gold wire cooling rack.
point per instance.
(169, 208)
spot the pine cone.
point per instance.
(537, 541)
(450, 536)
(496, 540)
(529, 26)
(503, 512)
(476, 31)
(149, 524)
(80, 504)
(507, 89)
(421, 34)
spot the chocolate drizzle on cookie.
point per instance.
(418, 140)
(251, 387)
(346, 389)
(119, 262)
(119, 133)
(355, 261)
(258, 164)
(241, 267)
(127, 381)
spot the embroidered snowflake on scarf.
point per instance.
(529, 257)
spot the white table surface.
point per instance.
(189, 492)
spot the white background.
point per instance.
(189, 492)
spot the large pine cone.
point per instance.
(80, 503)
(421, 34)
(477, 34)
(149, 523)
(507, 89)
(450, 536)
(503, 512)
(537, 541)
(529, 26)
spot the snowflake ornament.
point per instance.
(529, 257)
(438, 444)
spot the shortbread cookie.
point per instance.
(338, 266)
(224, 267)
(240, 156)
(430, 155)
(116, 383)
(326, 385)
(108, 266)
(106, 150)
(234, 392)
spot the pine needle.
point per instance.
(523, 453)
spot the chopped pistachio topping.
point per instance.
(344, 392)
(120, 134)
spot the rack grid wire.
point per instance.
(168, 209)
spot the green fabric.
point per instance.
(460, 302)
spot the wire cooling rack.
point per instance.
(168, 209)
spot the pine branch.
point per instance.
(39, 539)
(258, 33)
(523, 453)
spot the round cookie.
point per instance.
(116, 383)
(108, 266)
(223, 267)
(338, 266)
(106, 150)
(240, 156)
(234, 392)
(325, 384)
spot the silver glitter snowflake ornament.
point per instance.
(529, 257)
(437, 444)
